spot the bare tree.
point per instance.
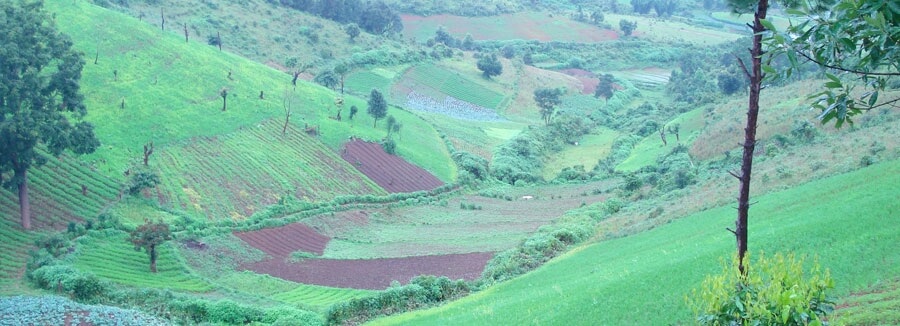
(287, 103)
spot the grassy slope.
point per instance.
(651, 147)
(171, 92)
(644, 278)
(589, 151)
(113, 258)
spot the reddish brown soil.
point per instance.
(388, 171)
(280, 242)
(375, 274)
(588, 80)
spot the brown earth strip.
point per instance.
(280, 242)
(390, 172)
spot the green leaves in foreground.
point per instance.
(856, 40)
(776, 291)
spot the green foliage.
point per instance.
(854, 39)
(475, 166)
(40, 94)
(82, 286)
(229, 312)
(547, 99)
(605, 87)
(377, 106)
(423, 291)
(775, 291)
(627, 26)
(141, 178)
(677, 255)
(352, 31)
(489, 65)
(148, 236)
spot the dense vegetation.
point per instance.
(580, 157)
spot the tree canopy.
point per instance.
(856, 42)
(377, 106)
(148, 236)
(39, 95)
(489, 65)
(547, 99)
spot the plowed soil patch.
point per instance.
(389, 171)
(280, 242)
(374, 274)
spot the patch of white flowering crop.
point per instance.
(50, 310)
(452, 107)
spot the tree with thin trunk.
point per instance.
(224, 94)
(288, 104)
(858, 45)
(377, 106)
(148, 237)
(755, 75)
(39, 96)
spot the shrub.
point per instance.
(776, 291)
(229, 312)
(141, 178)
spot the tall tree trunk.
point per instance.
(153, 259)
(24, 205)
(756, 77)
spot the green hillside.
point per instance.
(606, 209)
(644, 278)
(171, 90)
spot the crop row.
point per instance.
(319, 295)
(250, 169)
(451, 107)
(13, 247)
(452, 84)
(115, 259)
(364, 81)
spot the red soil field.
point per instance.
(280, 242)
(588, 80)
(373, 274)
(390, 172)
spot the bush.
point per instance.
(141, 178)
(776, 291)
(229, 312)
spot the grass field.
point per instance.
(876, 305)
(541, 26)
(199, 176)
(651, 147)
(644, 278)
(112, 257)
(312, 296)
(589, 151)
(657, 30)
(145, 69)
(485, 224)
(437, 82)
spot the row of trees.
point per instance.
(375, 17)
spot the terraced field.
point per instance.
(14, 245)
(389, 171)
(362, 82)
(57, 196)
(282, 241)
(115, 259)
(314, 296)
(437, 83)
(234, 175)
